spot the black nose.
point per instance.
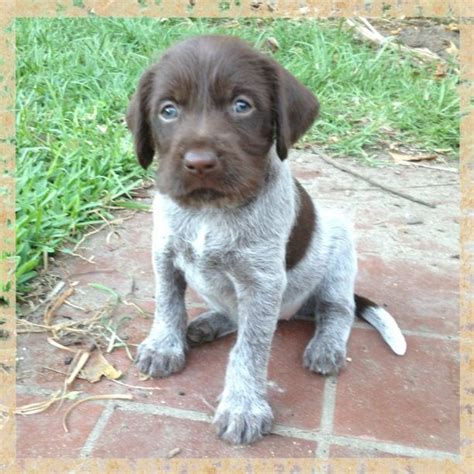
(200, 162)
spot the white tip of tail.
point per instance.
(387, 327)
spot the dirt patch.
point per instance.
(437, 36)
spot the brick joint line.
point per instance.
(412, 332)
(318, 436)
(327, 417)
(97, 430)
(323, 437)
(407, 332)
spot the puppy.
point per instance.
(231, 221)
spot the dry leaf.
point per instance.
(452, 49)
(453, 27)
(54, 305)
(401, 157)
(387, 130)
(272, 43)
(91, 116)
(97, 367)
(174, 452)
(232, 24)
(441, 70)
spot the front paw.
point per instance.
(241, 419)
(160, 356)
(324, 356)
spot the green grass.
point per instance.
(74, 78)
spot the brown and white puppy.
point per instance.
(231, 221)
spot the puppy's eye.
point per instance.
(241, 106)
(169, 112)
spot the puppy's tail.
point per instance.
(383, 322)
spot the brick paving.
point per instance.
(381, 405)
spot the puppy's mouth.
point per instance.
(205, 194)
(208, 197)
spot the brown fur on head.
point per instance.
(202, 80)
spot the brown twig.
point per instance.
(98, 229)
(371, 181)
(118, 396)
(88, 260)
(411, 187)
(55, 371)
(174, 452)
(75, 306)
(138, 387)
(38, 407)
(82, 357)
(54, 305)
(60, 346)
(212, 408)
(368, 31)
(437, 168)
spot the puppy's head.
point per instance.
(212, 107)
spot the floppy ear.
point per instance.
(138, 120)
(296, 108)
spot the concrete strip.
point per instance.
(327, 417)
(150, 409)
(320, 437)
(323, 437)
(98, 429)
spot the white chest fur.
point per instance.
(199, 243)
(206, 243)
